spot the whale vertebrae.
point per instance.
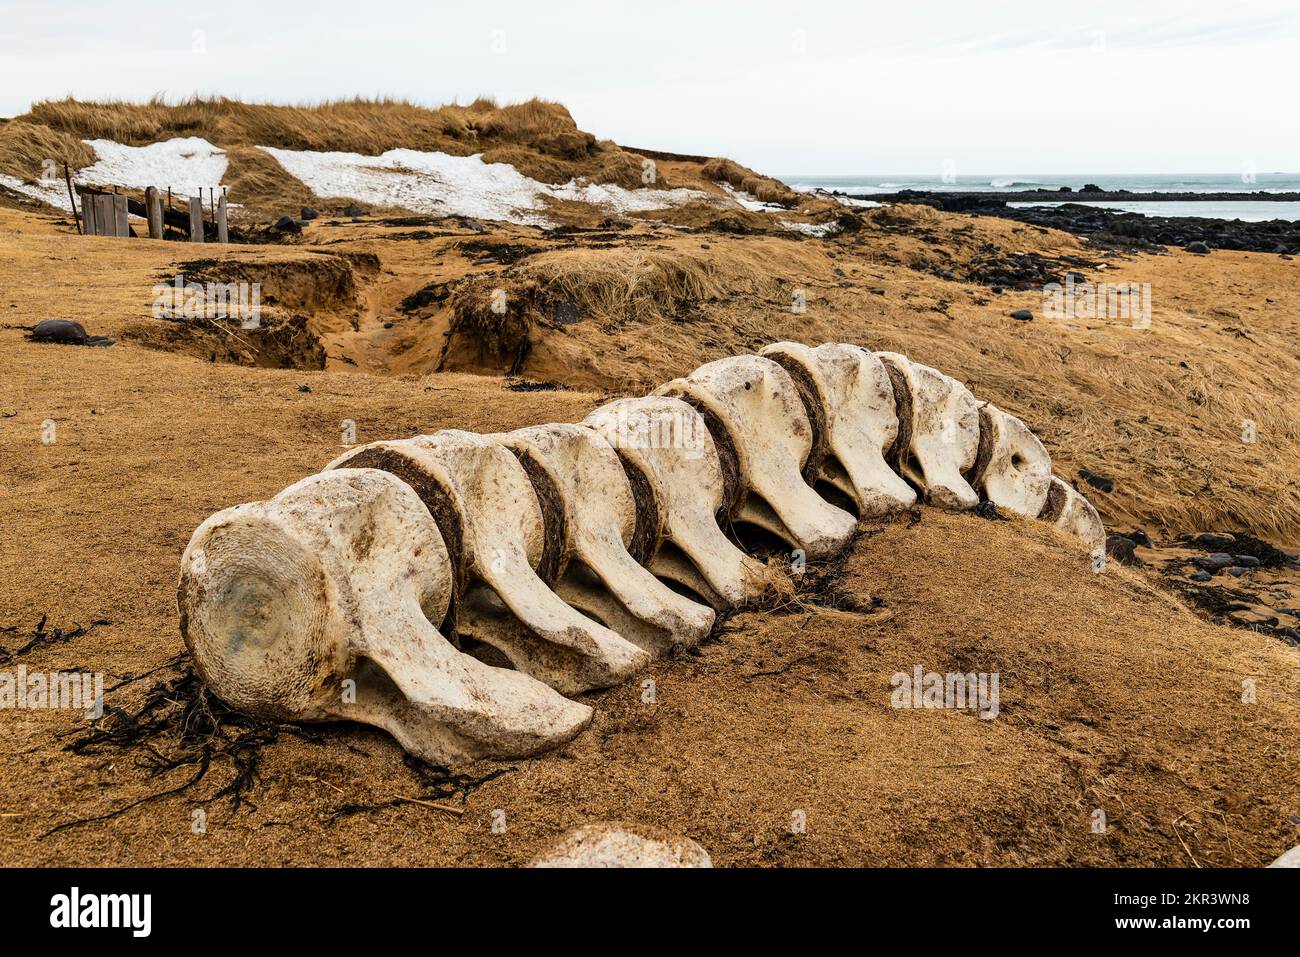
(454, 588)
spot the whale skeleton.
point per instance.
(453, 588)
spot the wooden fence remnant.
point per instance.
(153, 207)
(196, 219)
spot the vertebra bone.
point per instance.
(484, 500)
(756, 404)
(336, 580)
(939, 431)
(666, 442)
(857, 398)
(600, 518)
(1018, 469)
(1068, 509)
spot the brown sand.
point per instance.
(1114, 696)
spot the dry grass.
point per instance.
(25, 146)
(765, 188)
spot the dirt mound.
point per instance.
(272, 314)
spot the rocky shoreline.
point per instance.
(1124, 230)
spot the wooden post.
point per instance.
(121, 226)
(196, 219)
(223, 235)
(153, 206)
(67, 178)
(104, 214)
(88, 213)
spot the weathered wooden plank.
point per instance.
(104, 214)
(153, 209)
(88, 213)
(223, 235)
(196, 219)
(121, 225)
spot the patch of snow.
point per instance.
(54, 192)
(819, 230)
(442, 184)
(749, 202)
(185, 164)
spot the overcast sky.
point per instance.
(1106, 86)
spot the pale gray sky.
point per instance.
(818, 88)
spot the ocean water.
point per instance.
(1245, 181)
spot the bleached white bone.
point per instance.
(941, 436)
(757, 404)
(857, 398)
(1068, 509)
(1018, 469)
(667, 442)
(481, 487)
(317, 605)
(597, 574)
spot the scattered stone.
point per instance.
(1201, 576)
(1215, 540)
(1213, 562)
(609, 845)
(566, 312)
(1247, 561)
(1091, 188)
(1024, 315)
(304, 388)
(65, 332)
(1197, 247)
(1138, 537)
(308, 213)
(1236, 571)
(388, 325)
(354, 210)
(286, 224)
(1120, 548)
(1099, 482)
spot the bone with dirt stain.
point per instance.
(667, 441)
(596, 573)
(506, 605)
(944, 433)
(757, 403)
(853, 387)
(1018, 469)
(317, 605)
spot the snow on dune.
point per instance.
(185, 164)
(442, 184)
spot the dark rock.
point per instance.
(388, 325)
(1236, 571)
(1197, 247)
(1120, 548)
(1215, 540)
(997, 290)
(65, 332)
(308, 213)
(286, 224)
(1138, 537)
(1065, 189)
(1247, 561)
(1024, 315)
(1091, 188)
(304, 388)
(354, 210)
(1099, 482)
(475, 225)
(1213, 562)
(566, 312)
(1200, 576)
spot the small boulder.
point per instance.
(65, 332)
(1216, 540)
(612, 845)
(286, 224)
(1024, 315)
(1197, 247)
(1214, 561)
(1247, 561)
(308, 213)
(1201, 576)
(353, 210)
